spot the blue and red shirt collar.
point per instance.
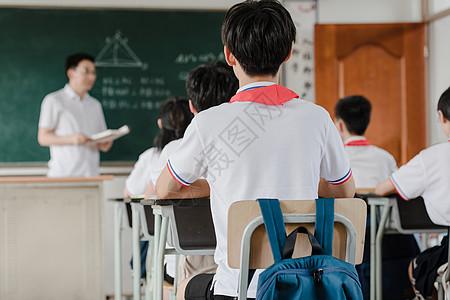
(264, 92)
(357, 141)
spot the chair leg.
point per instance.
(173, 293)
(136, 253)
(118, 211)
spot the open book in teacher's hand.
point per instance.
(110, 134)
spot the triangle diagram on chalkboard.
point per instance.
(117, 53)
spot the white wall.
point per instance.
(368, 11)
(438, 74)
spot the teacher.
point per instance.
(68, 118)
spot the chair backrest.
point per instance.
(411, 216)
(241, 213)
(192, 228)
(147, 220)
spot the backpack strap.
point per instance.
(324, 226)
(273, 221)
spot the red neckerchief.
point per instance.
(358, 143)
(272, 95)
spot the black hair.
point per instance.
(175, 117)
(73, 60)
(444, 104)
(259, 34)
(211, 84)
(355, 112)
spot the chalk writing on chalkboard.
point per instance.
(117, 53)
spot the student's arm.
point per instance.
(168, 188)
(385, 188)
(149, 191)
(343, 190)
(104, 147)
(125, 193)
(46, 137)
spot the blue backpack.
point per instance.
(319, 276)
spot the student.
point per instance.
(208, 85)
(173, 118)
(427, 175)
(264, 143)
(68, 117)
(370, 164)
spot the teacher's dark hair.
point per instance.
(73, 60)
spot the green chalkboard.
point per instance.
(143, 57)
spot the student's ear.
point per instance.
(290, 53)
(159, 122)
(442, 119)
(192, 108)
(339, 125)
(229, 57)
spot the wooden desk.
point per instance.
(51, 238)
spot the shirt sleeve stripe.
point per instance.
(398, 189)
(176, 176)
(341, 180)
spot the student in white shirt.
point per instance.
(68, 117)
(173, 118)
(207, 85)
(370, 164)
(264, 143)
(427, 175)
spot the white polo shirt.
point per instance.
(370, 164)
(428, 175)
(247, 149)
(140, 176)
(65, 113)
(160, 164)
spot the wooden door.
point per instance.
(386, 64)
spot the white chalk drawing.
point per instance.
(118, 54)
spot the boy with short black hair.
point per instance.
(370, 164)
(265, 143)
(427, 175)
(210, 84)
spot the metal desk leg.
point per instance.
(378, 251)
(157, 231)
(136, 252)
(159, 263)
(148, 279)
(373, 230)
(118, 211)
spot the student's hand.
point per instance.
(79, 139)
(104, 147)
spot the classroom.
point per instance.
(392, 52)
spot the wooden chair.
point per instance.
(248, 243)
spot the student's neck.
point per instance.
(244, 80)
(345, 136)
